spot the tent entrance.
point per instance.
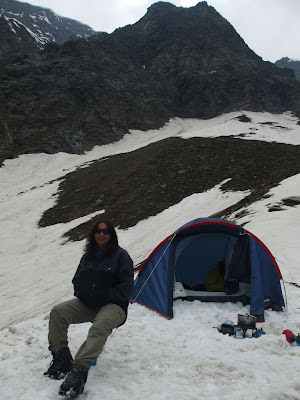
(201, 265)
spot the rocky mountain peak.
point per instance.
(160, 6)
(198, 34)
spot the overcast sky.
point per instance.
(269, 27)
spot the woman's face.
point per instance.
(102, 235)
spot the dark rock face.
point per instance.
(73, 97)
(286, 62)
(186, 62)
(11, 43)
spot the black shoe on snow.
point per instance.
(74, 383)
(60, 365)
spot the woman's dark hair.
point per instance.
(91, 244)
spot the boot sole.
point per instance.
(70, 394)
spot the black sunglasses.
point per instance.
(104, 231)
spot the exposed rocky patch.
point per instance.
(284, 203)
(244, 118)
(133, 186)
(291, 201)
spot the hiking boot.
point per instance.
(60, 365)
(74, 383)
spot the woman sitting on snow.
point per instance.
(102, 284)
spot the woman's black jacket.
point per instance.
(104, 279)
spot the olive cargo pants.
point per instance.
(104, 320)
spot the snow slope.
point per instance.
(149, 357)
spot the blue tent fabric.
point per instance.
(194, 249)
(265, 279)
(155, 288)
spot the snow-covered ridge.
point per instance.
(44, 25)
(39, 37)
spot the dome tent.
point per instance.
(205, 249)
